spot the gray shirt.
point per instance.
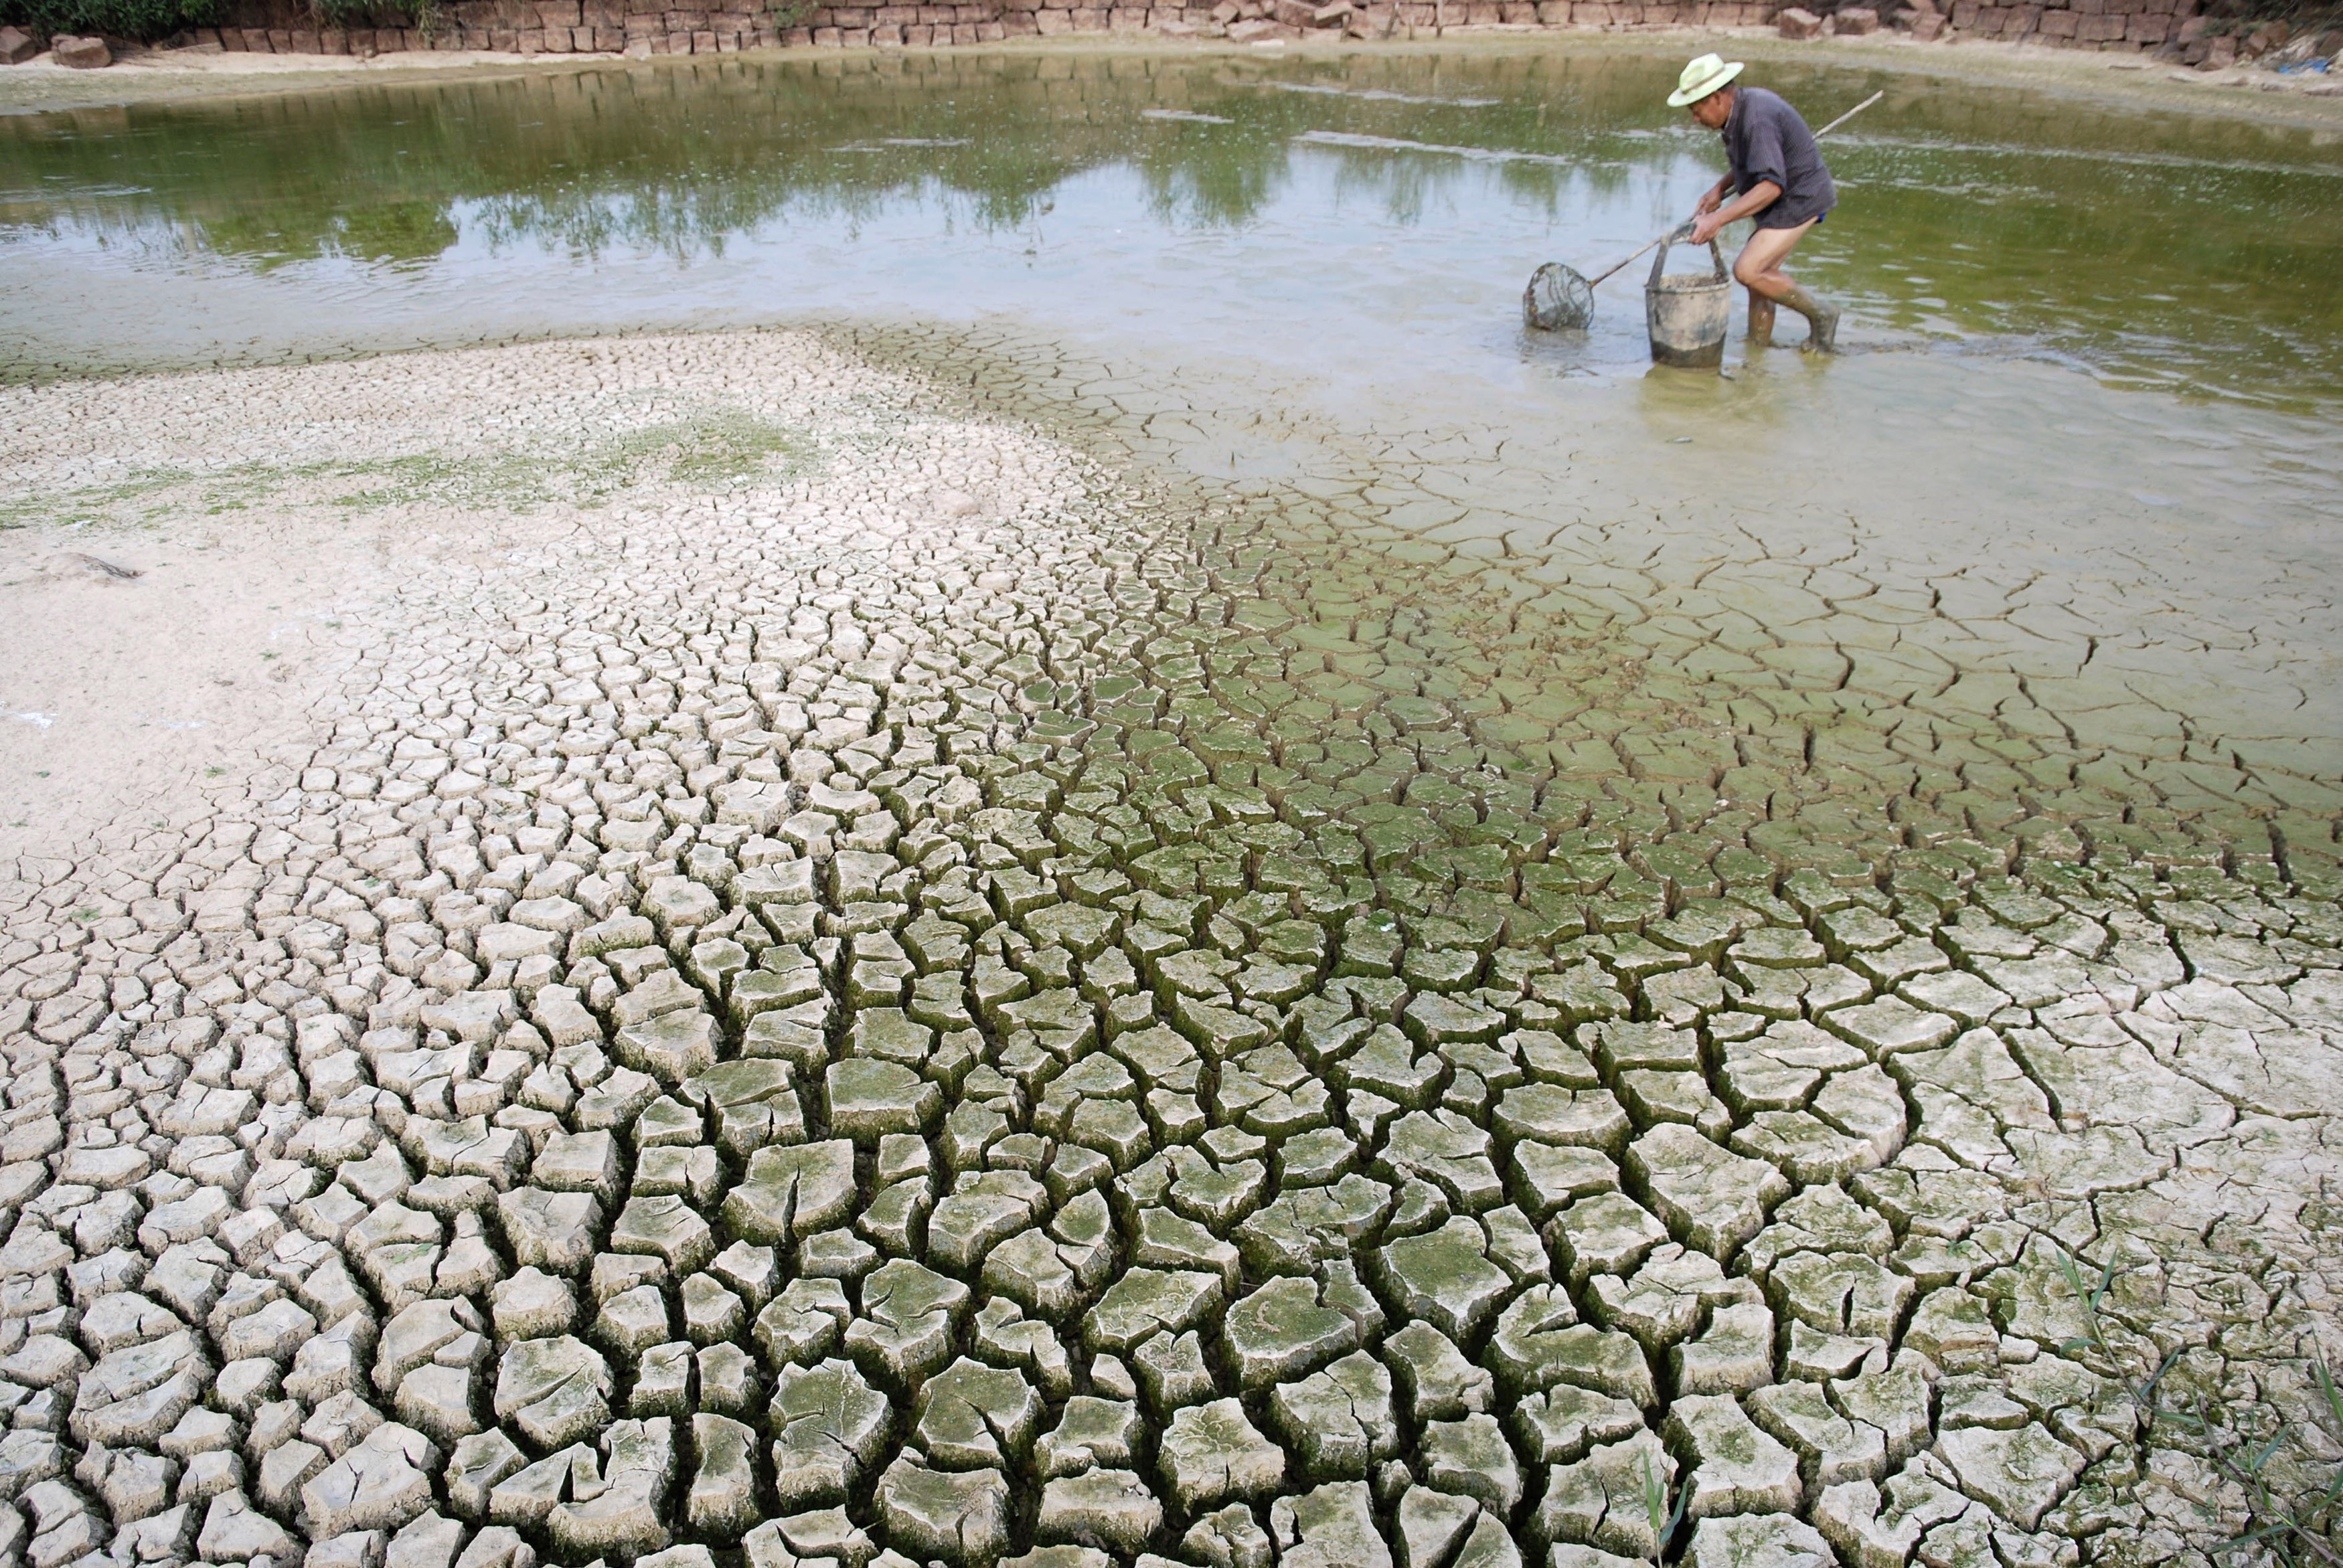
(1764, 139)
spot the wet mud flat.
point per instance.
(850, 965)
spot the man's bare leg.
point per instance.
(1761, 320)
(1758, 268)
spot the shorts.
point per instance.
(1818, 219)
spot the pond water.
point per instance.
(2085, 423)
(1388, 193)
(1406, 195)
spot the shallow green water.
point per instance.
(2156, 249)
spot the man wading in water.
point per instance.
(1782, 182)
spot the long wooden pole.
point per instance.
(1843, 119)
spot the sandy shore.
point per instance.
(2118, 79)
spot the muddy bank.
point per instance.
(1104, 1006)
(2115, 80)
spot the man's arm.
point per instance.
(1712, 220)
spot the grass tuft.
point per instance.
(2290, 1514)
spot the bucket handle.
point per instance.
(1660, 262)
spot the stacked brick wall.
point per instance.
(2083, 24)
(662, 27)
(519, 27)
(658, 27)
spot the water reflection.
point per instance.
(2189, 252)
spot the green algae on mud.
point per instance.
(714, 448)
(1351, 676)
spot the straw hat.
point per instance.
(1701, 78)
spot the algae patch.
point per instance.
(717, 449)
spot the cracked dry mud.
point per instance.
(884, 982)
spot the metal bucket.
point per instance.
(1687, 312)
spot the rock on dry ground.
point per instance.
(877, 979)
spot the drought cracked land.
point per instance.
(852, 974)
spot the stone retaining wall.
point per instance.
(650, 26)
(657, 27)
(2137, 24)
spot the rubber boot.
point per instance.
(1821, 314)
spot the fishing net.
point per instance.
(1557, 300)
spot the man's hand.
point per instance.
(1706, 226)
(1708, 201)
